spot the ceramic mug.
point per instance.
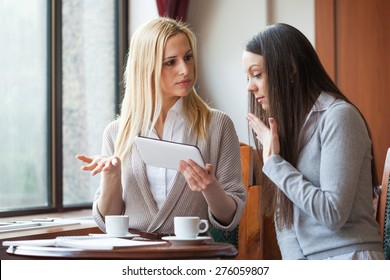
(189, 227)
(117, 225)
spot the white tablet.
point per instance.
(165, 153)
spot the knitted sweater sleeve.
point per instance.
(226, 151)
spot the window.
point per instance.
(88, 89)
(60, 68)
(24, 106)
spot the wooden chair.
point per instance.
(256, 233)
(383, 212)
(255, 236)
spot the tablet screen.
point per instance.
(167, 154)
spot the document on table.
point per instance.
(83, 242)
(23, 225)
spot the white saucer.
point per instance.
(186, 241)
(128, 235)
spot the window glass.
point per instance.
(24, 111)
(88, 89)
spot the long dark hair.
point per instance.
(295, 79)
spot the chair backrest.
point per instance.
(246, 164)
(383, 214)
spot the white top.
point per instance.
(161, 179)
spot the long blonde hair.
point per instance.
(142, 102)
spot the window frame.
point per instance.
(54, 123)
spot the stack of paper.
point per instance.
(83, 242)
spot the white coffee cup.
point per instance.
(189, 227)
(117, 225)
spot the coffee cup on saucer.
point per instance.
(189, 227)
(117, 225)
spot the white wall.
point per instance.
(222, 28)
(298, 13)
(141, 11)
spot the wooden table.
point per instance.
(44, 233)
(164, 251)
(161, 252)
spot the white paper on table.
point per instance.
(84, 242)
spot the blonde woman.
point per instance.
(161, 102)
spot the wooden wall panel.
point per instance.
(325, 44)
(361, 59)
(363, 64)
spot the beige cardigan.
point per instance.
(221, 150)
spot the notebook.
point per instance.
(84, 242)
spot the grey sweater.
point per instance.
(221, 149)
(331, 187)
